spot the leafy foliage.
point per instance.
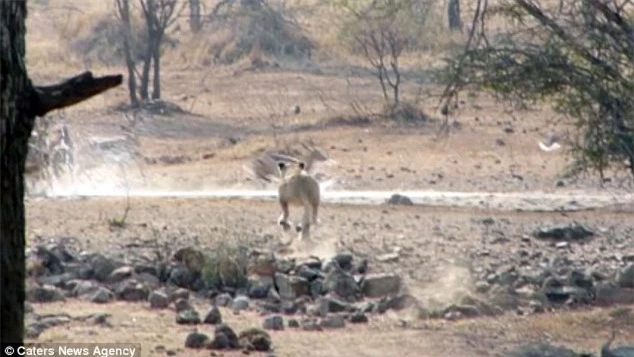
(578, 56)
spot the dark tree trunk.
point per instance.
(156, 59)
(194, 15)
(145, 73)
(20, 103)
(124, 11)
(453, 15)
(15, 129)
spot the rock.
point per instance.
(482, 287)
(102, 296)
(311, 262)
(332, 322)
(179, 293)
(361, 266)
(573, 232)
(317, 288)
(240, 303)
(607, 294)
(259, 286)
(57, 280)
(579, 279)
(213, 317)
(463, 310)
(342, 284)
(49, 260)
(158, 300)
(181, 276)
(625, 277)
(120, 274)
(224, 338)
(565, 294)
(255, 339)
(292, 323)
(291, 287)
(358, 317)
(188, 317)
(310, 324)
(45, 293)
(102, 267)
(275, 322)
(308, 273)
(132, 290)
(181, 305)
(377, 285)
(335, 305)
(196, 340)
(543, 350)
(146, 269)
(223, 299)
(344, 260)
(397, 199)
(82, 288)
(388, 258)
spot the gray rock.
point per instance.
(223, 299)
(196, 340)
(292, 323)
(308, 273)
(240, 303)
(342, 284)
(482, 287)
(625, 277)
(158, 300)
(397, 199)
(275, 322)
(213, 317)
(463, 310)
(290, 286)
(120, 274)
(57, 280)
(332, 322)
(102, 267)
(317, 288)
(146, 269)
(388, 258)
(83, 288)
(181, 305)
(358, 317)
(310, 324)
(188, 317)
(335, 305)
(132, 290)
(608, 293)
(344, 260)
(259, 286)
(377, 285)
(255, 339)
(543, 350)
(181, 276)
(225, 338)
(45, 293)
(179, 293)
(573, 232)
(102, 296)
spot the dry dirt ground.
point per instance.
(234, 114)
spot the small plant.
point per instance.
(226, 266)
(120, 222)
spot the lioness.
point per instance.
(298, 188)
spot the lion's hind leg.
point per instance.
(283, 220)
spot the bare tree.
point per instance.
(194, 15)
(381, 31)
(577, 56)
(159, 15)
(454, 16)
(123, 10)
(21, 103)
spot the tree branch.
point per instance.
(70, 92)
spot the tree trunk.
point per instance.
(453, 15)
(194, 15)
(145, 73)
(156, 58)
(124, 11)
(15, 130)
(20, 103)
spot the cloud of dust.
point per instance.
(449, 284)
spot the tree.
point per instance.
(20, 104)
(381, 31)
(453, 15)
(577, 56)
(159, 15)
(194, 15)
(123, 10)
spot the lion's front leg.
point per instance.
(283, 220)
